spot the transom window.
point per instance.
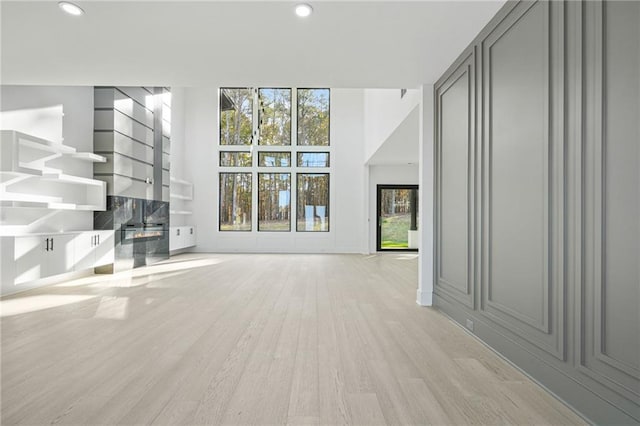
(274, 159)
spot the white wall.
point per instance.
(77, 131)
(386, 175)
(347, 217)
(384, 111)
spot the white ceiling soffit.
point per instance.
(210, 43)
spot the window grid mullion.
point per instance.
(294, 171)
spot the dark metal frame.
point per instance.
(379, 190)
(328, 198)
(290, 209)
(220, 201)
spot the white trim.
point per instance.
(426, 197)
(424, 299)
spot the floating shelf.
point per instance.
(33, 169)
(181, 197)
(28, 198)
(180, 212)
(10, 178)
(89, 156)
(179, 181)
(61, 177)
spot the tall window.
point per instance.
(235, 201)
(236, 122)
(274, 116)
(313, 202)
(313, 117)
(274, 201)
(274, 168)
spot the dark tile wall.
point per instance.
(122, 211)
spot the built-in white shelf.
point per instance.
(9, 178)
(180, 195)
(28, 198)
(89, 156)
(35, 172)
(78, 180)
(182, 235)
(181, 189)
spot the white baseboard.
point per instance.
(424, 298)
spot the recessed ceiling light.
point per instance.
(71, 8)
(303, 10)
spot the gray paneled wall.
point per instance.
(538, 197)
(130, 130)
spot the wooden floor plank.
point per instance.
(254, 339)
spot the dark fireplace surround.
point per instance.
(141, 231)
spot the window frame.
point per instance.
(258, 119)
(264, 152)
(293, 169)
(328, 206)
(245, 151)
(253, 112)
(251, 228)
(290, 202)
(328, 116)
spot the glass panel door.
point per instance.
(397, 217)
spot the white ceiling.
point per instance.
(212, 43)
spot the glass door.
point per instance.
(397, 228)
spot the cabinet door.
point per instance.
(61, 255)
(105, 248)
(190, 236)
(29, 258)
(84, 250)
(175, 238)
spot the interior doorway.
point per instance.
(397, 218)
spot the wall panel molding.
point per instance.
(606, 141)
(551, 197)
(522, 283)
(455, 171)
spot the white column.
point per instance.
(426, 195)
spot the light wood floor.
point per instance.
(254, 339)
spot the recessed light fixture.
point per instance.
(71, 8)
(303, 10)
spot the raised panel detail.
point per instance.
(522, 282)
(455, 144)
(610, 350)
(620, 287)
(555, 198)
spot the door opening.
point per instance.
(397, 218)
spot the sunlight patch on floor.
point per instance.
(23, 305)
(141, 276)
(113, 308)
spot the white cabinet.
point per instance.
(182, 237)
(92, 249)
(29, 258)
(105, 249)
(36, 257)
